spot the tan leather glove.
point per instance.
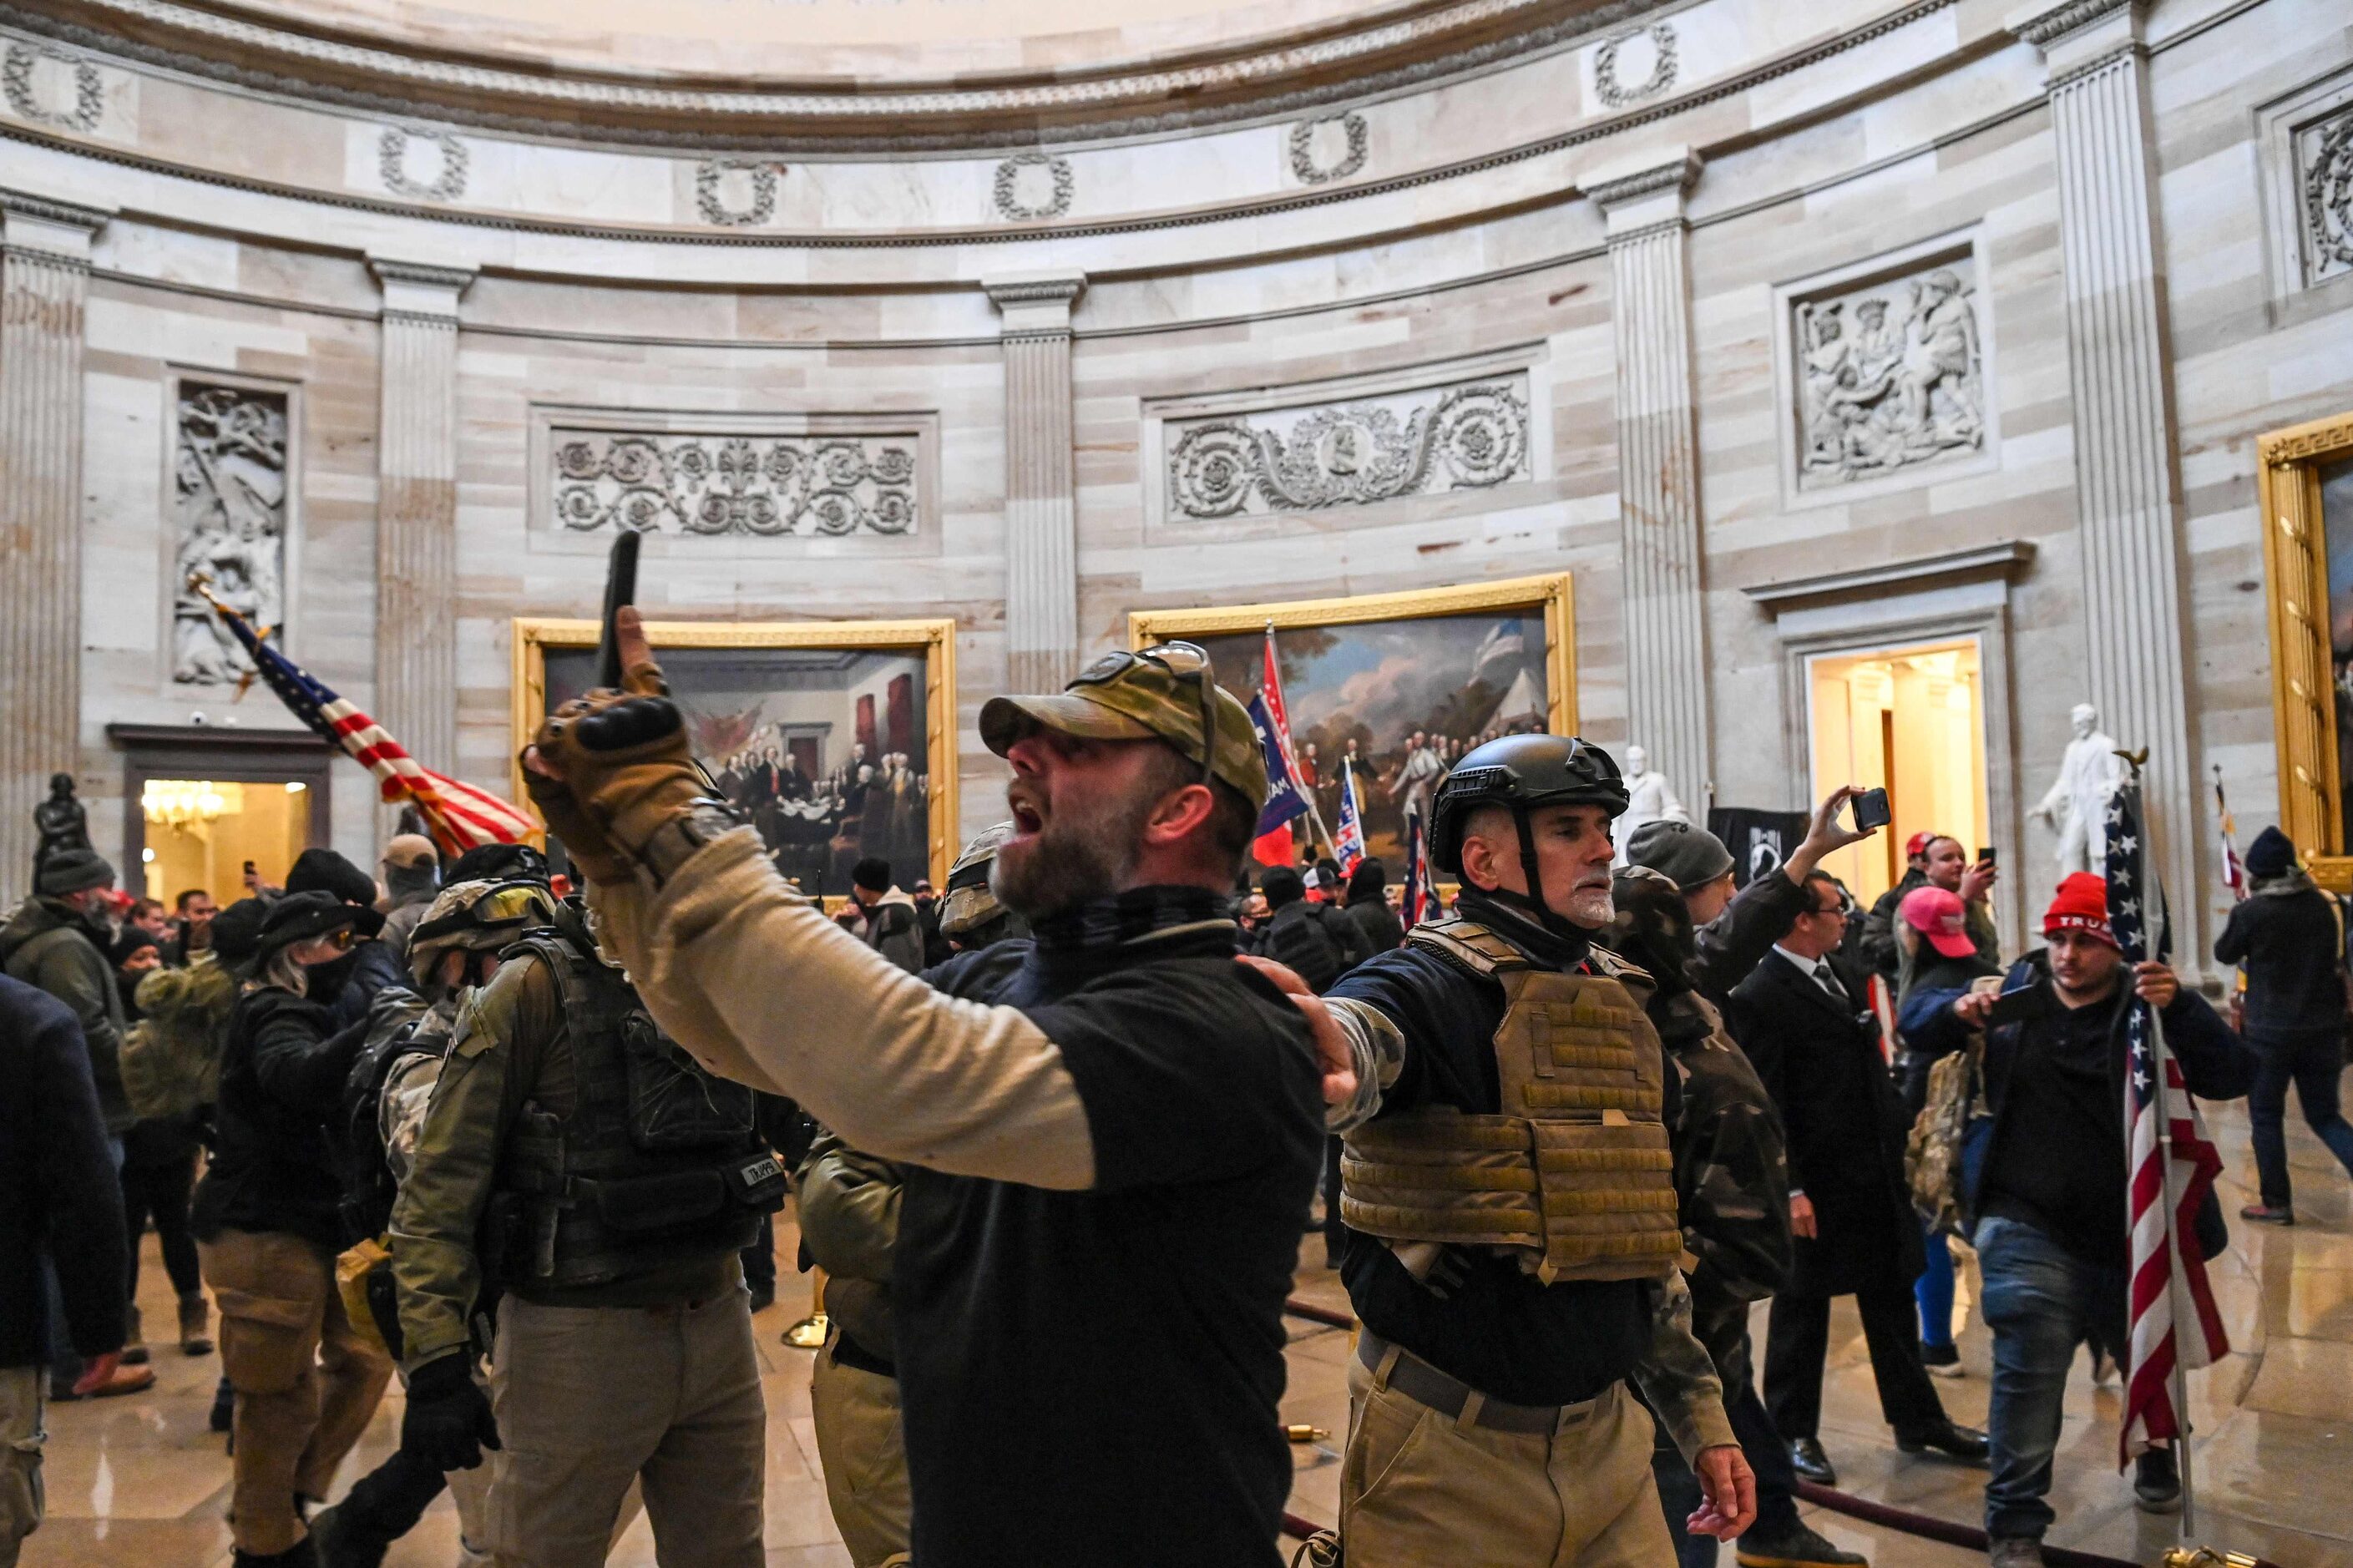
(609, 769)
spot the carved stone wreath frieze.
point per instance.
(229, 501)
(1891, 375)
(733, 484)
(1006, 192)
(1617, 93)
(1427, 442)
(392, 164)
(710, 197)
(89, 89)
(2325, 195)
(1352, 158)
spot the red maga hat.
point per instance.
(2081, 904)
(1937, 915)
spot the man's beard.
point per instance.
(1592, 908)
(1083, 852)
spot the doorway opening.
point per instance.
(1910, 720)
(214, 834)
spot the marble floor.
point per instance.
(138, 1482)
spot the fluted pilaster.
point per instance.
(44, 284)
(2127, 487)
(1658, 468)
(416, 510)
(1041, 564)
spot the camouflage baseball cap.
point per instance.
(1153, 695)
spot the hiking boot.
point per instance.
(342, 1540)
(2157, 1488)
(2268, 1213)
(195, 1322)
(224, 1407)
(135, 1343)
(301, 1554)
(2014, 1552)
(1795, 1547)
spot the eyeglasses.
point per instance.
(1183, 661)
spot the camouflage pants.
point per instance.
(21, 1438)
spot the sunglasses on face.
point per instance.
(341, 940)
(1184, 661)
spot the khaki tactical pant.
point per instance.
(306, 1383)
(590, 1399)
(1419, 1487)
(864, 1452)
(22, 1394)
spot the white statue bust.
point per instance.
(2077, 803)
(1649, 798)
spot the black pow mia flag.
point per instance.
(1759, 840)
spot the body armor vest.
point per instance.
(657, 1163)
(1573, 1177)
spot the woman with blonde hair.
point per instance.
(268, 1230)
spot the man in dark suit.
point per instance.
(1800, 1016)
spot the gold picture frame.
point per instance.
(1552, 594)
(934, 639)
(2295, 569)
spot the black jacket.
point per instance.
(282, 1075)
(57, 1191)
(1882, 949)
(2290, 946)
(1845, 1124)
(1318, 942)
(348, 986)
(1730, 946)
(1376, 923)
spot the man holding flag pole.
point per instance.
(2092, 1204)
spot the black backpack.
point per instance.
(1295, 937)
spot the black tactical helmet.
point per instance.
(1523, 771)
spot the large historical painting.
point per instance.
(1395, 687)
(833, 750)
(2337, 524)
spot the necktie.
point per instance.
(1829, 979)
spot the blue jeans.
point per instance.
(1934, 1291)
(2312, 1061)
(2040, 1302)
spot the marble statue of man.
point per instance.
(2088, 776)
(1649, 798)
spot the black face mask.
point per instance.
(325, 982)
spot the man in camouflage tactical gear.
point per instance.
(1513, 1237)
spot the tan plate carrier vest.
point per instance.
(1573, 1178)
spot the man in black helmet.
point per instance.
(1513, 1235)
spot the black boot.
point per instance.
(1798, 1546)
(344, 1539)
(299, 1555)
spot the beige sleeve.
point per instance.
(753, 979)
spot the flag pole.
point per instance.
(2161, 1100)
(1291, 761)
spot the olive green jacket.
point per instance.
(848, 1204)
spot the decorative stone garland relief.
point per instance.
(392, 160)
(733, 484)
(1032, 187)
(1890, 376)
(1612, 60)
(2324, 160)
(711, 189)
(229, 482)
(1465, 435)
(72, 97)
(1305, 136)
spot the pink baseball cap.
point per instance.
(1936, 915)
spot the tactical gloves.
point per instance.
(448, 1421)
(623, 770)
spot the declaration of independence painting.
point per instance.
(825, 736)
(1396, 687)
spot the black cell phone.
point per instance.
(1871, 809)
(620, 589)
(2017, 1006)
(1985, 855)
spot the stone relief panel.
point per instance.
(734, 483)
(1634, 65)
(1032, 187)
(2324, 174)
(424, 164)
(1889, 376)
(1328, 149)
(51, 89)
(229, 506)
(1465, 435)
(736, 193)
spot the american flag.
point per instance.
(1421, 901)
(458, 816)
(1349, 841)
(2135, 902)
(2234, 870)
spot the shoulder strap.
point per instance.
(1468, 944)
